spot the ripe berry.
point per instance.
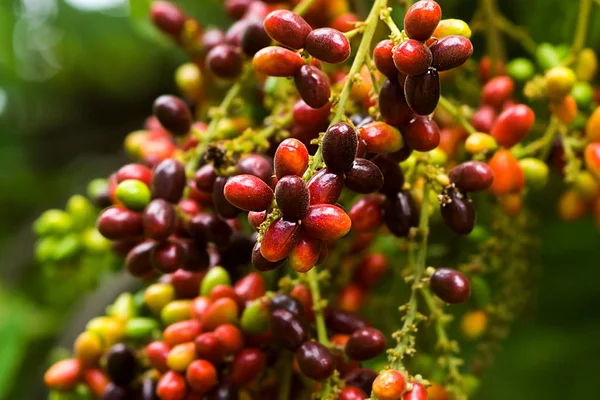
(168, 180)
(484, 118)
(173, 114)
(339, 147)
(366, 214)
(361, 378)
(451, 52)
(421, 19)
(508, 175)
(201, 375)
(418, 392)
(352, 393)
(160, 219)
(365, 344)
(257, 165)
(458, 211)
(248, 193)
(313, 86)
(120, 223)
(247, 365)
(392, 103)
(121, 364)
(168, 17)
(308, 116)
(497, 91)
(134, 171)
(224, 208)
(412, 57)
(287, 28)
(422, 134)
(63, 375)
(254, 38)
(383, 58)
(328, 45)
(236, 8)
(260, 262)
(400, 213)
(292, 197)
(381, 137)
(513, 125)
(306, 253)
(393, 176)
(289, 329)
(389, 384)
(224, 391)
(225, 61)
(364, 177)
(423, 91)
(315, 360)
(450, 285)
(211, 38)
(168, 257)
(279, 239)
(291, 158)
(326, 222)
(472, 176)
(325, 187)
(171, 386)
(277, 61)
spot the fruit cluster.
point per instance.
(331, 151)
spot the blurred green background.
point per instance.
(77, 75)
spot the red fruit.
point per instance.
(326, 222)
(451, 52)
(472, 176)
(381, 137)
(168, 180)
(201, 376)
(209, 347)
(508, 175)
(279, 239)
(328, 45)
(157, 353)
(392, 103)
(592, 158)
(181, 332)
(246, 366)
(458, 211)
(292, 197)
(135, 171)
(497, 91)
(365, 344)
(422, 134)
(96, 381)
(488, 71)
(364, 177)
(219, 312)
(418, 392)
(371, 270)
(257, 165)
(305, 254)
(168, 257)
(513, 125)
(352, 393)
(421, 19)
(422, 92)
(313, 86)
(325, 187)
(484, 118)
(250, 287)
(248, 193)
(171, 386)
(236, 8)
(160, 219)
(256, 218)
(260, 262)
(450, 285)
(225, 61)
(383, 58)
(366, 213)
(291, 158)
(344, 22)
(412, 57)
(277, 61)
(315, 360)
(287, 28)
(63, 375)
(339, 147)
(351, 298)
(308, 116)
(168, 17)
(389, 385)
(120, 223)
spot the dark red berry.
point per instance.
(279, 239)
(287, 28)
(352, 393)
(292, 197)
(313, 86)
(247, 365)
(421, 19)
(121, 364)
(325, 187)
(393, 178)
(458, 211)
(206, 227)
(315, 360)
(248, 193)
(135, 171)
(237, 8)
(484, 118)
(383, 58)
(308, 116)
(225, 61)
(392, 103)
(361, 378)
(114, 392)
(168, 257)
(326, 222)
(412, 57)
(288, 329)
(450, 285)
(261, 263)
(212, 38)
(472, 176)
(224, 208)
(168, 180)
(254, 38)
(400, 213)
(423, 92)
(205, 178)
(208, 347)
(422, 134)
(451, 52)
(120, 223)
(257, 165)
(173, 114)
(139, 259)
(339, 147)
(344, 322)
(171, 386)
(168, 17)
(160, 219)
(367, 213)
(365, 344)
(223, 391)
(364, 177)
(234, 34)
(328, 44)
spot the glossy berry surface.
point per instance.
(421, 19)
(412, 57)
(329, 45)
(313, 86)
(450, 285)
(339, 147)
(292, 197)
(173, 114)
(472, 176)
(365, 344)
(451, 52)
(287, 28)
(458, 212)
(315, 360)
(423, 92)
(389, 385)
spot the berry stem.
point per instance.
(285, 377)
(313, 281)
(493, 37)
(541, 145)
(447, 105)
(583, 19)
(303, 7)
(517, 33)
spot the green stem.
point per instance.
(581, 31)
(447, 105)
(285, 377)
(493, 37)
(313, 281)
(303, 6)
(419, 268)
(541, 145)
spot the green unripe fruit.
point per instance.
(521, 69)
(157, 295)
(134, 194)
(587, 65)
(559, 82)
(140, 328)
(175, 311)
(438, 157)
(536, 172)
(67, 247)
(450, 27)
(470, 384)
(44, 249)
(123, 307)
(81, 211)
(53, 222)
(583, 93)
(94, 242)
(97, 188)
(215, 276)
(256, 317)
(586, 185)
(188, 79)
(547, 56)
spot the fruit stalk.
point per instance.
(313, 281)
(447, 105)
(583, 19)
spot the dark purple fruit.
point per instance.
(364, 177)
(168, 257)
(361, 378)
(400, 213)
(160, 219)
(472, 176)
(173, 114)
(339, 147)
(288, 329)
(139, 261)
(451, 52)
(292, 197)
(114, 392)
(121, 364)
(421, 134)
(288, 303)
(210, 228)
(225, 61)
(450, 285)
(365, 344)
(313, 86)
(168, 180)
(205, 178)
(254, 38)
(344, 322)
(423, 92)
(315, 360)
(224, 208)
(458, 211)
(120, 223)
(325, 187)
(257, 165)
(261, 263)
(392, 103)
(393, 178)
